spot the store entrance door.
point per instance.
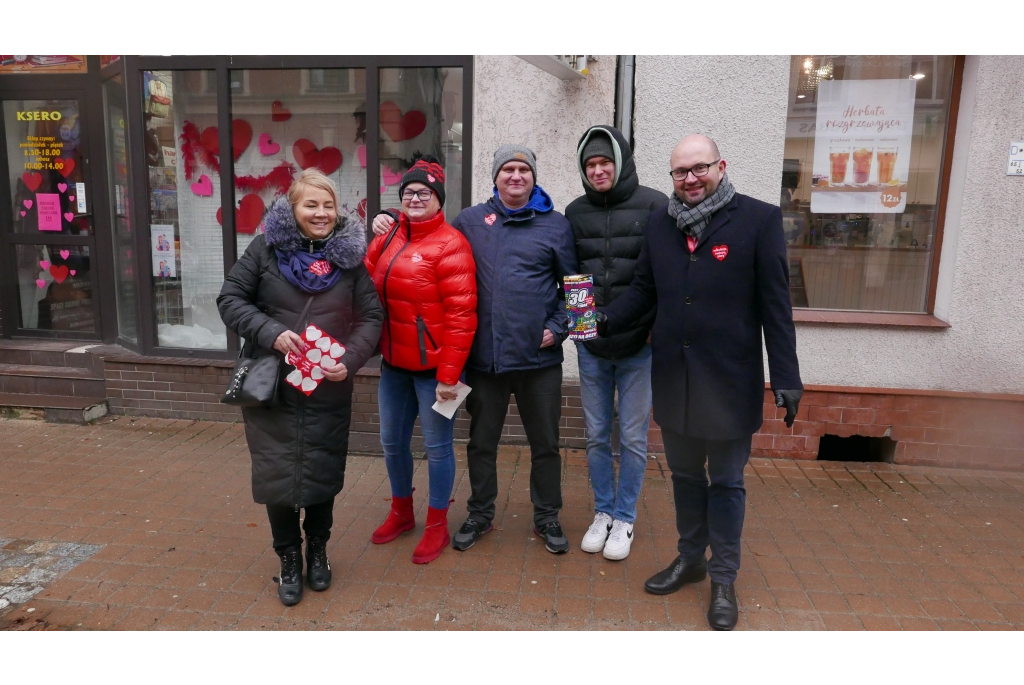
(50, 285)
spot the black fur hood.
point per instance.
(345, 248)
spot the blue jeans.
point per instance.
(598, 380)
(402, 397)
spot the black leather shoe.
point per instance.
(677, 575)
(554, 539)
(289, 589)
(468, 534)
(723, 612)
(318, 568)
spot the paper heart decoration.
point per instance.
(316, 373)
(328, 363)
(278, 112)
(400, 126)
(44, 264)
(72, 272)
(323, 344)
(361, 154)
(69, 216)
(312, 333)
(203, 186)
(295, 377)
(23, 212)
(32, 180)
(40, 283)
(71, 198)
(27, 203)
(59, 273)
(62, 187)
(248, 215)
(64, 254)
(69, 166)
(314, 355)
(361, 209)
(267, 146)
(390, 177)
(307, 155)
(241, 136)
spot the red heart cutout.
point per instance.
(32, 180)
(720, 251)
(241, 136)
(400, 126)
(59, 273)
(307, 155)
(278, 111)
(361, 208)
(69, 166)
(248, 215)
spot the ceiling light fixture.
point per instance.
(917, 77)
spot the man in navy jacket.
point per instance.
(523, 249)
(715, 264)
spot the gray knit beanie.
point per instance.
(597, 146)
(514, 153)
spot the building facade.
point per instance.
(891, 171)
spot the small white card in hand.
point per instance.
(448, 407)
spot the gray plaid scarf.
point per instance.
(693, 220)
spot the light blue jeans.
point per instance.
(402, 397)
(598, 380)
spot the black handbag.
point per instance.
(254, 379)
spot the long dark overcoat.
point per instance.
(299, 445)
(707, 373)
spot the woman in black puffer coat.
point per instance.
(299, 445)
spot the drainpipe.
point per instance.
(625, 68)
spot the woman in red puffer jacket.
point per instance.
(426, 279)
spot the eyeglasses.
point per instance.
(423, 194)
(697, 170)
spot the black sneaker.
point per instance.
(470, 531)
(554, 539)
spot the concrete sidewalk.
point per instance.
(149, 523)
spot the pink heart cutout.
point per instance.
(45, 264)
(23, 212)
(69, 216)
(27, 203)
(203, 186)
(41, 283)
(389, 177)
(361, 154)
(71, 198)
(267, 146)
(62, 187)
(64, 254)
(73, 272)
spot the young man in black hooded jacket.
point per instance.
(608, 222)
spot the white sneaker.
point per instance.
(619, 541)
(593, 541)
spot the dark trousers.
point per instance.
(284, 524)
(539, 400)
(710, 500)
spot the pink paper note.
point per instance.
(48, 211)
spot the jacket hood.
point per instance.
(539, 202)
(626, 180)
(345, 248)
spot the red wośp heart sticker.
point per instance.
(720, 251)
(490, 219)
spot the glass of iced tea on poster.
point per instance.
(886, 164)
(838, 159)
(862, 164)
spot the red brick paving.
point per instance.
(828, 546)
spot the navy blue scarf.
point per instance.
(306, 270)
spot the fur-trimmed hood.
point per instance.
(346, 248)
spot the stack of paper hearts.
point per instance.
(319, 352)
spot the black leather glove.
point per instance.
(790, 399)
(602, 325)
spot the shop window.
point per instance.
(120, 217)
(420, 113)
(186, 240)
(862, 179)
(294, 119)
(55, 288)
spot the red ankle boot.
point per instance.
(400, 519)
(435, 537)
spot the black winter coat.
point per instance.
(609, 229)
(707, 372)
(300, 444)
